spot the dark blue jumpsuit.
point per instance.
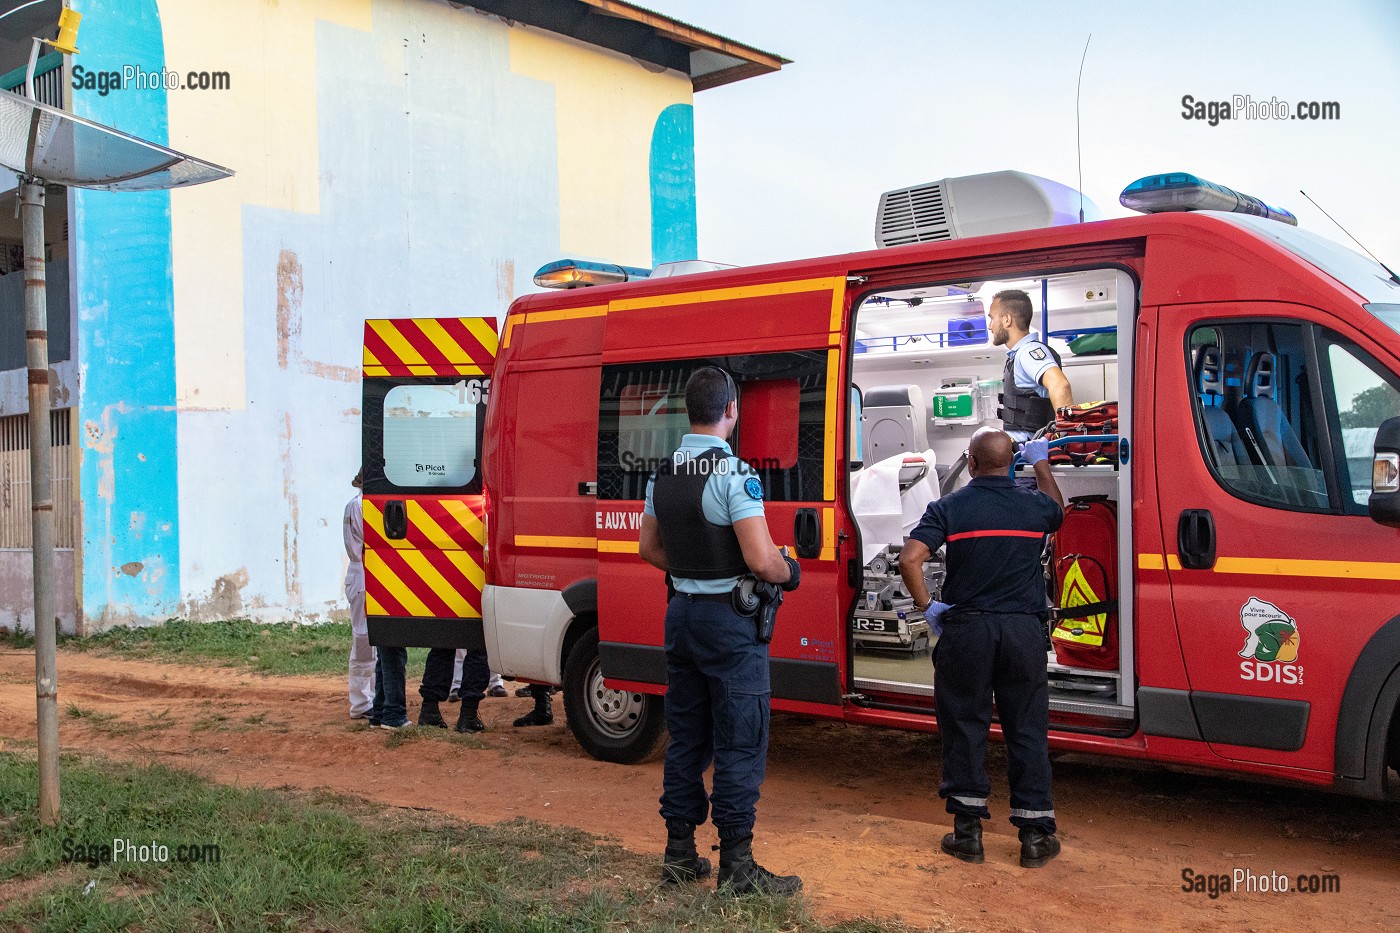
(993, 644)
(717, 680)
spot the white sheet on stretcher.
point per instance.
(885, 515)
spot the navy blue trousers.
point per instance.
(980, 658)
(717, 693)
(438, 670)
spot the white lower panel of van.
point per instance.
(524, 631)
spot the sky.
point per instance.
(884, 94)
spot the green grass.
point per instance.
(269, 648)
(315, 862)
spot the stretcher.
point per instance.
(885, 618)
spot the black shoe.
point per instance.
(681, 863)
(741, 876)
(453, 695)
(543, 713)
(497, 691)
(539, 716)
(965, 841)
(430, 715)
(1037, 846)
(523, 691)
(468, 720)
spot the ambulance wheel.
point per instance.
(611, 725)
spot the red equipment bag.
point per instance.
(1089, 418)
(1086, 585)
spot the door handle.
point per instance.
(807, 533)
(1195, 539)
(395, 520)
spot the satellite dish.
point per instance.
(44, 142)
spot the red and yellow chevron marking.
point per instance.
(455, 346)
(435, 570)
(441, 524)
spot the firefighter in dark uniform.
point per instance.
(1033, 386)
(993, 643)
(703, 524)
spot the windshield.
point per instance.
(1363, 275)
(1389, 315)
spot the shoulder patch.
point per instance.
(753, 487)
(1038, 353)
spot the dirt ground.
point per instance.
(853, 810)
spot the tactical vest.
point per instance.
(1024, 409)
(696, 548)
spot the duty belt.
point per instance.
(726, 598)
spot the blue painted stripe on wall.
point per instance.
(673, 228)
(126, 342)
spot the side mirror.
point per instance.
(1385, 475)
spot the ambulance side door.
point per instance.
(1277, 575)
(781, 343)
(426, 386)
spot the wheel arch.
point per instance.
(582, 599)
(1366, 722)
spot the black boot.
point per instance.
(467, 718)
(1037, 846)
(740, 875)
(430, 715)
(965, 841)
(543, 713)
(681, 862)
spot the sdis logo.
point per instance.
(1271, 644)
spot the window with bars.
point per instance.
(15, 528)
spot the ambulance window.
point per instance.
(781, 431)
(1257, 416)
(430, 433)
(1363, 396)
(768, 415)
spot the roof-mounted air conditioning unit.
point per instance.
(976, 205)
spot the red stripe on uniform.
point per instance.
(996, 533)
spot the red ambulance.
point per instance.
(1253, 595)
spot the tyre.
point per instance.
(611, 725)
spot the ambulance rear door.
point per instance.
(426, 385)
(781, 341)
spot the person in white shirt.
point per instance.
(362, 655)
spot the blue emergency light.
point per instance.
(578, 273)
(1180, 191)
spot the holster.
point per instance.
(767, 617)
(753, 597)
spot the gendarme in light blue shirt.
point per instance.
(1031, 358)
(727, 499)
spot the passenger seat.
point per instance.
(1263, 422)
(1226, 447)
(894, 422)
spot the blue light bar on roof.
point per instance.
(1180, 191)
(577, 273)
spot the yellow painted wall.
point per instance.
(606, 105)
(264, 128)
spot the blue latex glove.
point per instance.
(1034, 451)
(934, 616)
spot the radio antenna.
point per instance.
(1078, 147)
(1393, 277)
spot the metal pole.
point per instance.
(36, 340)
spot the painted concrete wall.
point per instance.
(394, 158)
